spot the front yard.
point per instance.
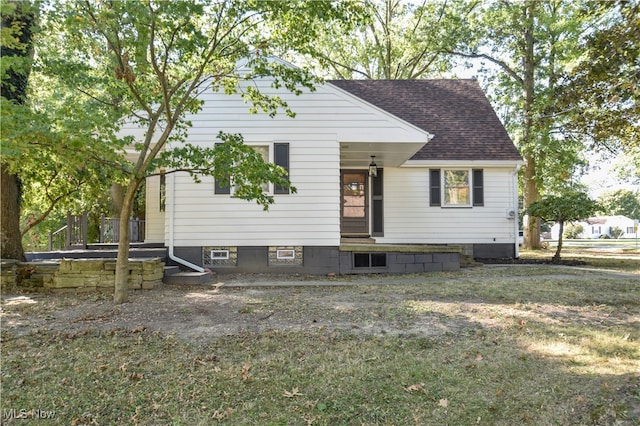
(493, 345)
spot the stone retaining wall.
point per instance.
(80, 274)
(8, 272)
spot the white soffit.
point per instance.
(388, 154)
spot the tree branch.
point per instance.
(45, 214)
(496, 61)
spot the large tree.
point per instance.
(49, 144)
(150, 61)
(18, 24)
(599, 100)
(621, 202)
(528, 47)
(396, 40)
(51, 160)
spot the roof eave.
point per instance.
(428, 135)
(456, 163)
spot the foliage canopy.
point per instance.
(570, 205)
(148, 62)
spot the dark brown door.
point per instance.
(354, 217)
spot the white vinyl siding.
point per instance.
(409, 218)
(311, 216)
(325, 120)
(350, 119)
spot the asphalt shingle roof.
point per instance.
(456, 111)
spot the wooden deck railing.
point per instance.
(110, 230)
(74, 235)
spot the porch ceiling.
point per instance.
(388, 154)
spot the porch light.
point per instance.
(373, 168)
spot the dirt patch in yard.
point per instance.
(412, 305)
(203, 313)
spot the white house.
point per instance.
(446, 182)
(599, 227)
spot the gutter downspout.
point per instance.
(171, 231)
(516, 224)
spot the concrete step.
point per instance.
(114, 246)
(171, 270)
(357, 240)
(189, 278)
(92, 254)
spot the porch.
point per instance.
(75, 234)
(366, 257)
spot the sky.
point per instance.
(603, 175)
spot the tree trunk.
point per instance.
(121, 290)
(117, 198)
(11, 239)
(531, 190)
(14, 88)
(531, 225)
(556, 257)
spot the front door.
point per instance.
(354, 217)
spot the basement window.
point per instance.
(284, 254)
(219, 254)
(369, 260)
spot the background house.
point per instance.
(602, 227)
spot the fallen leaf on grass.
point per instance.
(221, 414)
(136, 376)
(294, 392)
(245, 371)
(444, 402)
(138, 329)
(414, 388)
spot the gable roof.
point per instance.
(456, 112)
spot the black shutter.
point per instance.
(281, 158)
(478, 187)
(163, 190)
(378, 208)
(223, 186)
(434, 187)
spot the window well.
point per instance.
(369, 260)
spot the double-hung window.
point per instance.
(280, 157)
(456, 187)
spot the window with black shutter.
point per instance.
(281, 158)
(462, 187)
(222, 186)
(163, 190)
(478, 187)
(434, 187)
(378, 207)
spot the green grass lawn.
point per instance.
(622, 256)
(532, 346)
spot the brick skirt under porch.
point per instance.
(344, 259)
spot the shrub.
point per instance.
(615, 232)
(573, 230)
